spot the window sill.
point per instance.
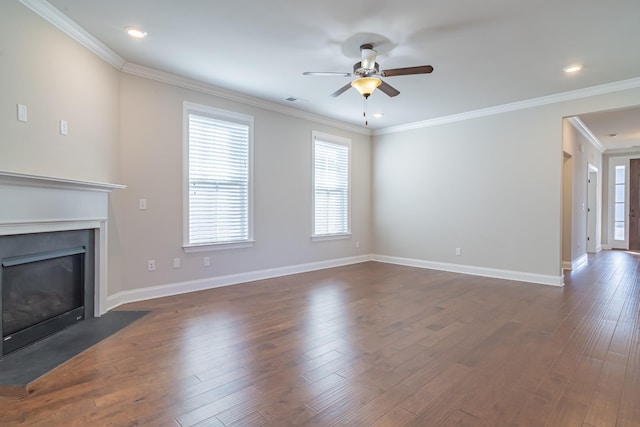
(217, 246)
(322, 237)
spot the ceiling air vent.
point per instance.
(294, 99)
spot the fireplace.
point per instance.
(46, 284)
(53, 255)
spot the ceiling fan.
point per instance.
(367, 72)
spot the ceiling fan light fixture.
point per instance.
(366, 85)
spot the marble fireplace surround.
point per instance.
(38, 204)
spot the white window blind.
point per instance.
(218, 180)
(331, 186)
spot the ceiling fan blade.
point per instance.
(422, 69)
(342, 90)
(326, 73)
(388, 89)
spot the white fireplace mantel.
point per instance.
(38, 204)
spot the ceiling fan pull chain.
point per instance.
(364, 114)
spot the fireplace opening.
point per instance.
(44, 291)
(38, 292)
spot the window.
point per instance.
(619, 208)
(331, 182)
(218, 167)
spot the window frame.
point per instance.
(222, 115)
(623, 203)
(338, 140)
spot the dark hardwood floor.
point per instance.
(364, 345)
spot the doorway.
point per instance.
(634, 204)
(592, 210)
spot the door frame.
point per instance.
(593, 240)
(611, 192)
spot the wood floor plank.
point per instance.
(368, 344)
(462, 419)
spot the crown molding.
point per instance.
(73, 30)
(586, 132)
(48, 12)
(195, 85)
(515, 106)
(79, 34)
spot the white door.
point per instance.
(592, 210)
(618, 209)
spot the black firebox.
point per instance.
(46, 284)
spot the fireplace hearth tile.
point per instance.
(20, 369)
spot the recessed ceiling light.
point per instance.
(378, 115)
(136, 32)
(572, 68)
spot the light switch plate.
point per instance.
(22, 113)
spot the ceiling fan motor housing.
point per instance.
(360, 71)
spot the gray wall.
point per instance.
(56, 79)
(152, 167)
(126, 129)
(491, 185)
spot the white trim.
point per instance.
(586, 132)
(322, 237)
(79, 34)
(8, 229)
(572, 265)
(38, 204)
(611, 191)
(209, 89)
(515, 106)
(208, 247)
(339, 140)
(61, 21)
(594, 209)
(15, 178)
(631, 151)
(170, 289)
(76, 32)
(223, 115)
(475, 271)
(179, 288)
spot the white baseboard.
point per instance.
(170, 289)
(475, 271)
(572, 265)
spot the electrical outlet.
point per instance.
(151, 265)
(458, 251)
(142, 204)
(64, 127)
(357, 245)
(207, 261)
(176, 263)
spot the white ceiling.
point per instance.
(615, 130)
(485, 53)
